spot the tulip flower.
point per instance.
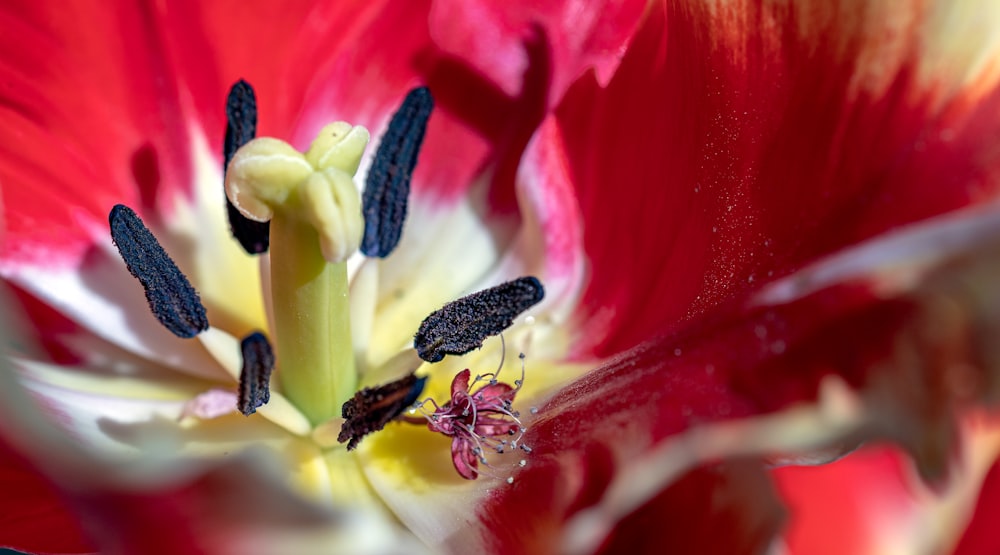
(766, 234)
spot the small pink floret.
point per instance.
(478, 422)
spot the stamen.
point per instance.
(387, 187)
(373, 407)
(255, 376)
(170, 295)
(461, 326)
(241, 118)
(241, 127)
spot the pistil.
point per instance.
(316, 224)
(312, 317)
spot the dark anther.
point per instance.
(241, 126)
(241, 118)
(373, 407)
(255, 376)
(388, 185)
(171, 298)
(461, 326)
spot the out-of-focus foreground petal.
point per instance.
(871, 501)
(980, 537)
(161, 503)
(37, 517)
(896, 346)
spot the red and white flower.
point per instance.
(767, 233)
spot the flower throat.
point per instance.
(303, 211)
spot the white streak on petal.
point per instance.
(958, 45)
(548, 245)
(91, 417)
(444, 515)
(110, 380)
(893, 262)
(355, 533)
(216, 403)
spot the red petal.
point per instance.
(490, 36)
(870, 502)
(86, 121)
(355, 61)
(99, 105)
(34, 515)
(842, 507)
(731, 146)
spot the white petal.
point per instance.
(443, 253)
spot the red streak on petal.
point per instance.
(717, 510)
(45, 327)
(981, 536)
